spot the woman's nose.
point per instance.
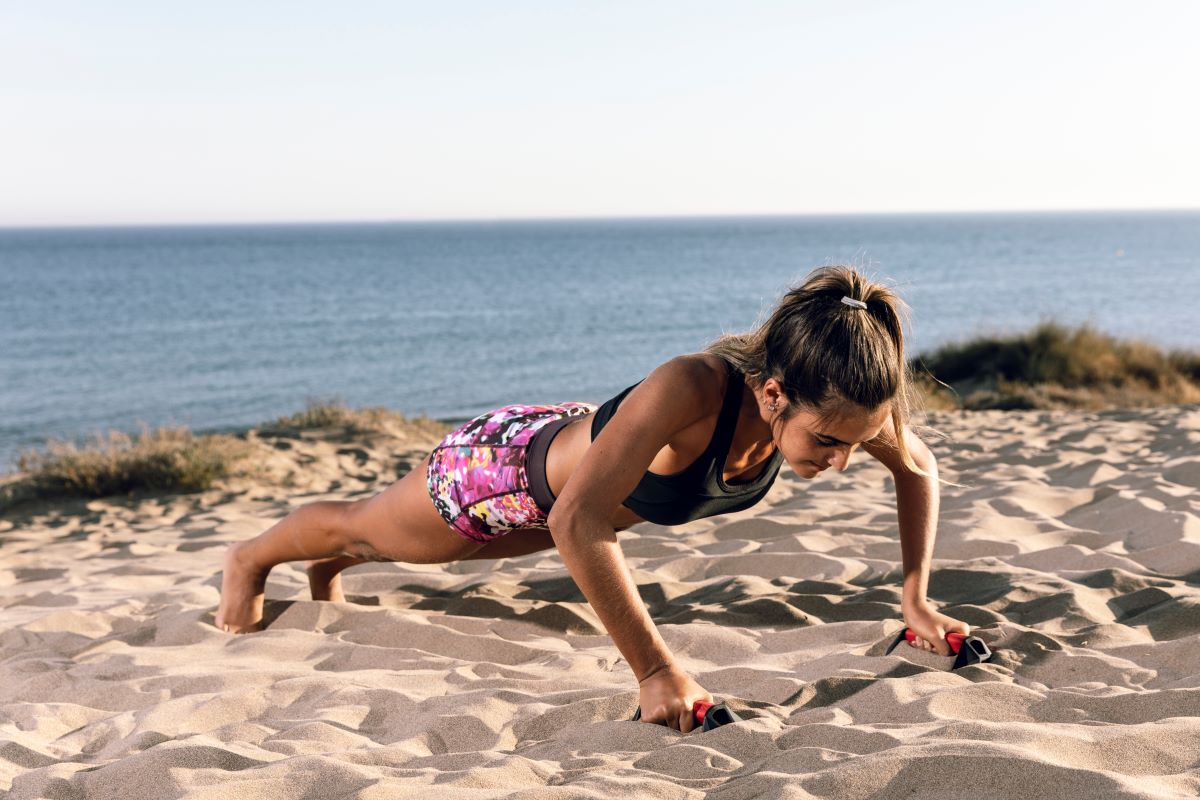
(840, 458)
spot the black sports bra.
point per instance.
(699, 490)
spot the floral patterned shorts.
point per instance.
(477, 474)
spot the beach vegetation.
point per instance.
(326, 414)
(1056, 366)
(176, 460)
(169, 459)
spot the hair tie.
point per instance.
(850, 301)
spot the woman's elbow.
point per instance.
(558, 520)
(565, 520)
(920, 463)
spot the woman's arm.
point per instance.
(672, 397)
(917, 506)
(666, 693)
(592, 555)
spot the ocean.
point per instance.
(221, 327)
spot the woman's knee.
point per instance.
(335, 519)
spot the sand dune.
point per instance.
(1072, 544)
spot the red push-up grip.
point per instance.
(707, 715)
(967, 649)
(953, 638)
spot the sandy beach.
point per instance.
(1072, 546)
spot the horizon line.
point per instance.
(599, 218)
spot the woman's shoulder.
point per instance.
(680, 394)
(709, 368)
(703, 377)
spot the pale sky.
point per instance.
(140, 112)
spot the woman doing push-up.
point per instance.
(702, 434)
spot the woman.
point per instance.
(703, 434)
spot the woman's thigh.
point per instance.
(516, 543)
(402, 524)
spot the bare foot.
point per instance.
(242, 587)
(325, 580)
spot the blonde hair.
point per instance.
(826, 353)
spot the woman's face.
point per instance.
(811, 445)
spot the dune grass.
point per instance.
(176, 460)
(323, 414)
(1055, 366)
(171, 459)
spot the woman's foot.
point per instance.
(324, 577)
(242, 587)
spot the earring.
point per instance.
(772, 406)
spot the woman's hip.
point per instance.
(478, 474)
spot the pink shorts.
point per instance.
(477, 474)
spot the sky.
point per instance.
(153, 113)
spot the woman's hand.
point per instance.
(667, 696)
(931, 626)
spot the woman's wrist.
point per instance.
(913, 589)
(660, 667)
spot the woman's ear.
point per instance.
(772, 392)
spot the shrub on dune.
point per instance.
(161, 460)
(321, 414)
(173, 459)
(1054, 366)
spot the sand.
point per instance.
(1072, 545)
